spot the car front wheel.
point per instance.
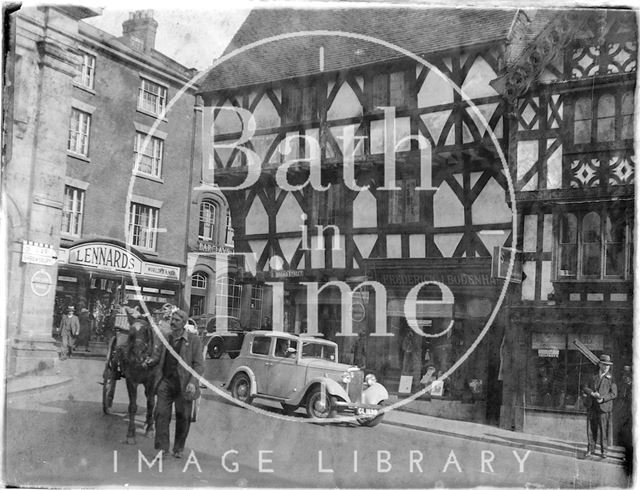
(320, 404)
(241, 388)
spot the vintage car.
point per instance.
(303, 371)
(216, 342)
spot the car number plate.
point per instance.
(367, 411)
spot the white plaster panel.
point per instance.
(618, 297)
(554, 169)
(490, 205)
(529, 283)
(447, 208)
(434, 122)
(530, 233)
(346, 104)
(257, 220)
(289, 247)
(435, 90)
(447, 243)
(532, 184)
(365, 210)
(527, 156)
(227, 120)
(575, 296)
(338, 132)
(288, 217)
(487, 111)
(403, 130)
(547, 233)
(257, 247)
(476, 84)
(377, 137)
(546, 286)
(493, 238)
(474, 176)
(265, 114)
(394, 247)
(365, 243)
(317, 252)
(338, 255)
(417, 246)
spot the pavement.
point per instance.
(405, 418)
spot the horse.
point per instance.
(139, 348)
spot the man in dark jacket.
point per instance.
(177, 386)
(599, 395)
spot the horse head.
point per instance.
(140, 342)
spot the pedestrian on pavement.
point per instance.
(177, 386)
(84, 332)
(69, 328)
(599, 394)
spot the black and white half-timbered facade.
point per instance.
(407, 113)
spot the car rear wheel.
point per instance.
(215, 348)
(319, 404)
(241, 388)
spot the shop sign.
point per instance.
(160, 270)
(104, 256)
(451, 279)
(548, 341)
(41, 283)
(208, 247)
(594, 342)
(548, 353)
(286, 273)
(358, 313)
(38, 253)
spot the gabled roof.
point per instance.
(418, 30)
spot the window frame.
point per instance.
(160, 96)
(78, 214)
(399, 199)
(603, 212)
(211, 224)
(150, 238)
(87, 71)
(81, 139)
(199, 280)
(157, 146)
(299, 115)
(389, 100)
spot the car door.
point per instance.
(286, 376)
(259, 360)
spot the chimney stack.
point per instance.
(139, 31)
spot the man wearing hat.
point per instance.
(69, 328)
(599, 395)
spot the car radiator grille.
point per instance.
(355, 386)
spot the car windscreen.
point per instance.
(315, 350)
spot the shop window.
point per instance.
(404, 204)
(143, 226)
(86, 73)
(79, 128)
(148, 155)
(229, 293)
(152, 97)
(300, 103)
(207, 221)
(603, 118)
(596, 244)
(389, 90)
(72, 211)
(557, 370)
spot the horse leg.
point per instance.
(132, 389)
(151, 405)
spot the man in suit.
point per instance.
(69, 328)
(177, 386)
(599, 395)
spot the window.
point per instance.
(260, 345)
(143, 226)
(148, 157)
(389, 90)
(199, 280)
(206, 225)
(300, 103)
(603, 118)
(327, 205)
(228, 237)
(229, 294)
(596, 244)
(152, 97)
(79, 127)
(404, 205)
(72, 209)
(87, 70)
